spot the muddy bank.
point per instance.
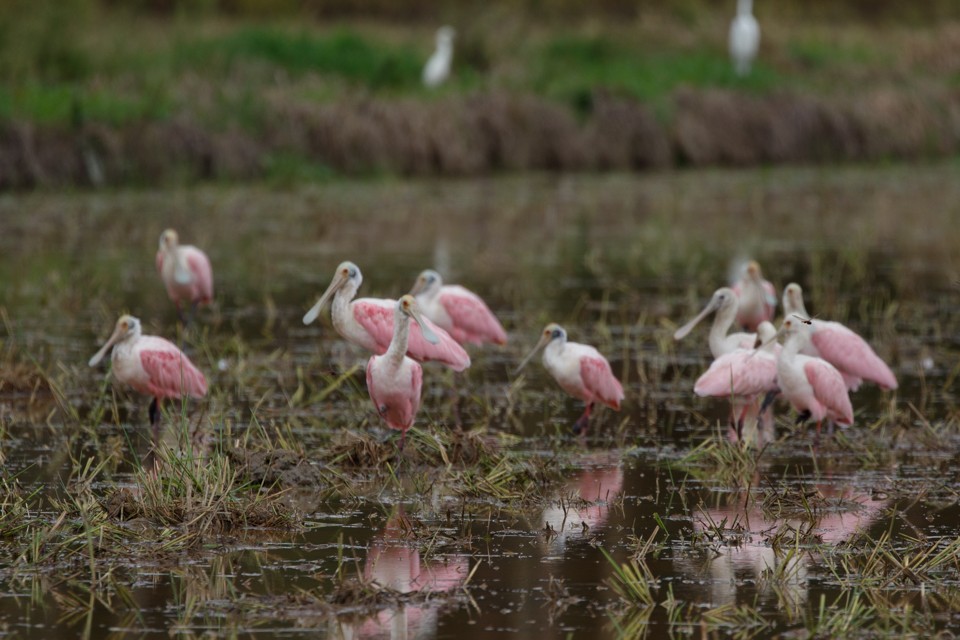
(485, 133)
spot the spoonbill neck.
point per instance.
(401, 337)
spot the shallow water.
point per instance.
(620, 261)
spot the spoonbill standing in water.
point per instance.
(580, 370)
(839, 346)
(757, 298)
(394, 381)
(152, 366)
(368, 322)
(742, 375)
(437, 69)
(457, 310)
(744, 37)
(724, 302)
(185, 271)
(812, 385)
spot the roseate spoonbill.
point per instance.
(185, 271)
(724, 301)
(839, 346)
(812, 385)
(457, 310)
(394, 380)
(152, 366)
(744, 37)
(757, 297)
(580, 370)
(368, 322)
(437, 69)
(742, 375)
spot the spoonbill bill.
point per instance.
(185, 271)
(812, 385)
(743, 375)
(724, 301)
(457, 310)
(757, 297)
(152, 366)
(744, 37)
(394, 380)
(368, 322)
(437, 69)
(839, 346)
(580, 370)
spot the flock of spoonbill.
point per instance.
(817, 366)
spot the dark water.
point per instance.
(620, 261)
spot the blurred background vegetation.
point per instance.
(213, 66)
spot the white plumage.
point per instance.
(437, 69)
(744, 37)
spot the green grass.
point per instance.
(572, 67)
(342, 53)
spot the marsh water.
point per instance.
(768, 549)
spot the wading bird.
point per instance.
(744, 37)
(580, 370)
(839, 346)
(457, 310)
(368, 322)
(812, 385)
(394, 380)
(437, 69)
(757, 298)
(724, 302)
(152, 366)
(186, 273)
(743, 375)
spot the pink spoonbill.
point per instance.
(812, 385)
(724, 301)
(152, 366)
(368, 322)
(839, 346)
(743, 375)
(457, 310)
(185, 271)
(580, 370)
(394, 380)
(757, 297)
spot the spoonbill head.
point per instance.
(185, 271)
(368, 322)
(395, 381)
(457, 310)
(579, 369)
(839, 345)
(725, 303)
(347, 278)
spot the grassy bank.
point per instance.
(97, 95)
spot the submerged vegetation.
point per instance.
(280, 501)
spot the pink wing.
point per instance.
(829, 389)
(850, 353)
(171, 374)
(199, 265)
(598, 378)
(738, 373)
(472, 320)
(378, 321)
